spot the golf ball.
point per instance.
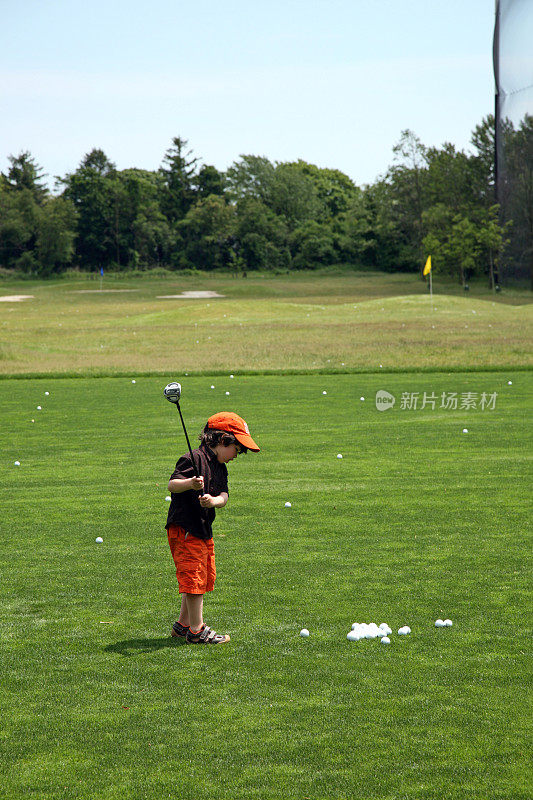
(46, 394)
(439, 623)
(288, 505)
(227, 393)
(134, 381)
(353, 636)
(99, 539)
(168, 498)
(509, 383)
(232, 376)
(304, 632)
(339, 455)
(465, 430)
(17, 463)
(385, 640)
(324, 392)
(448, 623)
(38, 408)
(404, 631)
(361, 398)
(212, 387)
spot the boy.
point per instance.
(191, 514)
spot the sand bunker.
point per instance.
(16, 298)
(189, 295)
(101, 291)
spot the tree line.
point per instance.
(278, 216)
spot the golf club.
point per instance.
(172, 392)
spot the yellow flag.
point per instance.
(427, 268)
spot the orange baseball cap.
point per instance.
(228, 421)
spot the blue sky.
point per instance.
(333, 82)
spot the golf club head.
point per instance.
(172, 392)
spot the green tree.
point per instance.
(95, 192)
(56, 232)
(354, 237)
(334, 190)
(145, 234)
(209, 181)
(179, 177)
(406, 198)
(312, 245)
(18, 227)
(517, 198)
(207, 234)
(261, 237)
(25, 174)
(451, 179)
(251, 176)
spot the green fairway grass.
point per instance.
(300, 322)
(417, 521)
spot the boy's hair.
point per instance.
(211, 437)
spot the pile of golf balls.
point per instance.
(363, 630)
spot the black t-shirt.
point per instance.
(185, 509)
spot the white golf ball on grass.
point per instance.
(448, 623)
(288, 505)
(304, 633)
(99, 540)
(439, 623)
(385, 640)
(17, 463)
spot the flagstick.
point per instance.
(431, 290)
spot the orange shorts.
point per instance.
(194, 559)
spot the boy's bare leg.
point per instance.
(195, 606)
(183, 618)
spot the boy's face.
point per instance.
(225, 453)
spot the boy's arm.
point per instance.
(179, 485)
(207, 501)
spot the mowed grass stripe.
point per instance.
(416, 521)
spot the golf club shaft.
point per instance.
(202, 512)
(188, 442)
